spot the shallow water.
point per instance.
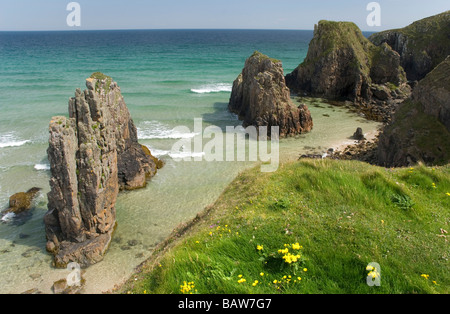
(146, 217)
(168, 79)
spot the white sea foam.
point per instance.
(213, 88)
(159, 152)
(174, 154)
(8, 217)
(155, 130)
(10, 140)
(182, 155)
(42, 167)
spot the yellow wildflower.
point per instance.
(255, 283)
(260, 247)
(187, 287)
(296, 246)
(261, 274)
(425, 276)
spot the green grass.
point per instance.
(262, 57)
(344, 214)
(101, 77)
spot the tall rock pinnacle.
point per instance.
(93, 154)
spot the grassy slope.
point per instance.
(345, 214)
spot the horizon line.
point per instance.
(167, 29)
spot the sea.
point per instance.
(169, 78)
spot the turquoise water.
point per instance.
(168, 79)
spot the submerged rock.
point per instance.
(93, 154)
(260, 97)
(22, 202)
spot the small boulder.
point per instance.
(358, 135)
(22, 202)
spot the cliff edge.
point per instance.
(420, 130)
(421, 46)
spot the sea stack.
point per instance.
(342, 64)
(93, 154)
(260, 97)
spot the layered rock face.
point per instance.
(433, 92)
(343, 64)
(93, 154)
(420, 130)
(260, 97)
(421, 45)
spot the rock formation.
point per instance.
(260, 98)
(342, 64)
(22, 201)
(93, 154)
(358, 135)
(433, 92)
(421, 45)
(420, 130)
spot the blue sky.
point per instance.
(223, 14)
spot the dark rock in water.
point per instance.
(358, 135)
(93, 154)
(133, 242)
(22, 202)
(260, 98)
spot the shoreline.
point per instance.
(185, 227)
(369, 137)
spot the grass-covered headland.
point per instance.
(312, 227)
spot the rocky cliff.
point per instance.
(93, 154)
(420, 130)
(343, 64)
(260, 97)
(421, 45)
